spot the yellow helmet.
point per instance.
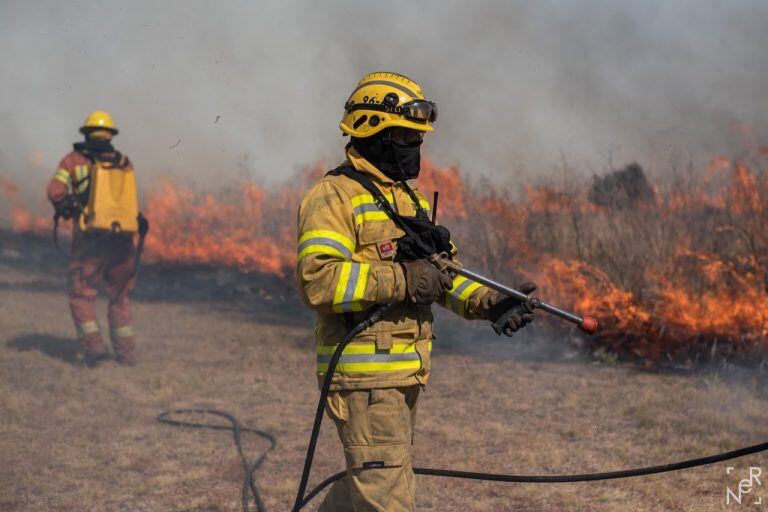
(98, 120)
(383, 100)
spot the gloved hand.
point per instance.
(508, 314)
(67, 207)
(143, 224)
(424, 283)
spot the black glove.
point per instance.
(508, 314)
(424, 283)
(429, 239)
(67, 207)
(143, 224)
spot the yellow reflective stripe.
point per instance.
(325, 242)
(366, 216)
(81, 171)
(362, 283)
(62, 175)
(89, 327)
(350, 288)
(392, 366)
(361, 358)
(341, 286)
(368, 198)
(322, 249)
(457, 296)
(125, 331)
(369, 348)
(326, 233)
(366, 209)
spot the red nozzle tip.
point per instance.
(588, 324)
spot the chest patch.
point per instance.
(386, 250)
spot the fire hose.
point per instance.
(586, 323)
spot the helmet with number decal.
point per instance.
(383, 100)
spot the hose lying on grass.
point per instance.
(302, 499)
(250, 467)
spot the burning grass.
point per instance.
(674, 269)
(74, 439)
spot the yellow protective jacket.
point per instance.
(345, 265)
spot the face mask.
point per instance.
(97, 145)
(407, 159)
(398, 161)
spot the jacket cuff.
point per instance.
(390, 282)
(480, 303)
(57, 191)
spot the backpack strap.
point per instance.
(116, 160)
(420, 211)
(378, 198)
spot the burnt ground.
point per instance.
(75, 439)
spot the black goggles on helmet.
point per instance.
(420, 111)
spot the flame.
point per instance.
(24, 221)
(8, 188)
(231, 230)
(670, 277)
(36, 158)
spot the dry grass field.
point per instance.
(76, 439)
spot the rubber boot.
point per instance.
(94, 348)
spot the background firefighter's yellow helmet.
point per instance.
(98, 120)
(383, 100)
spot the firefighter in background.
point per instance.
(346, 250)
(96, 258)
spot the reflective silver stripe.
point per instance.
(456, 295)
(326, 241)
(349, 293)
(371, 358)
(387, 82)
(367, 207)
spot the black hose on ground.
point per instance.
(302, 499)
(237, 429)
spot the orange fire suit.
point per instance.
(96, 259)
(346, 248)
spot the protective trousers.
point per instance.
(376, 429)
(108, 260)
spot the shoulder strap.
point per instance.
(116, 160)
(420, 212)
(378, 197)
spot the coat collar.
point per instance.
(364, 166)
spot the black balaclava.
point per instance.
(398, 161)
(94, 145)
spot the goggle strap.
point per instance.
(400, 110)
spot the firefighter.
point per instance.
(95, 258)
(346, 250)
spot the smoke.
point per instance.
(213, 91)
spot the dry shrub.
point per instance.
(674, 269)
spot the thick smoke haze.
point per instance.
(520, 85)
